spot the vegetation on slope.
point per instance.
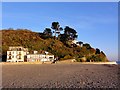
(59, 46)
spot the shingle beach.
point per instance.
(72, 75)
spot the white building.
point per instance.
(78, 43)
(39, 57)
(35, 57)
(20, 54)
(16, 54)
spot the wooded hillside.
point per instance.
(42, 42)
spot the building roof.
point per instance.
(17, 48)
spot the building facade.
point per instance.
(20, 54)
(39, 57)
(16, 54)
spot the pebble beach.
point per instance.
(72, 75)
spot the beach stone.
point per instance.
(60, 76)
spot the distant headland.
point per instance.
(62, 45)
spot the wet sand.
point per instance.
(73, 75)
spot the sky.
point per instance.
(96, 23)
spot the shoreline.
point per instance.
(58, 62)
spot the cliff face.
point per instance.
(34, 41)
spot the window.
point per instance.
(20, 49)
(50, 57)
(19, 53)
(9, 53)
(19, 57)
(10, 57)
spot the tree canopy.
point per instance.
(55, 26)
(70, 32)
(48, 32)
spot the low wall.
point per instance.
(58, 62)
(99, 62)
(71, 61)
(12, 63)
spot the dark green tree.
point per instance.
(87, 46)
(55, 26)
(63, 38)
(97, 51)
(103, 53)
(80, 43)
(71, 33)
(48, 32)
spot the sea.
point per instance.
(118, 62)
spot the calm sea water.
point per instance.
(118, 62)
